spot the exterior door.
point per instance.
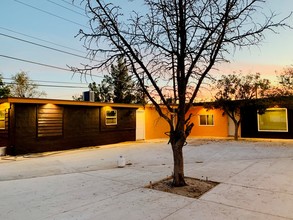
(231, 127)
(140, 124)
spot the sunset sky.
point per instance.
(29, 29)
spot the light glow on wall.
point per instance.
(3, 110)
(49, 105)
(5, 105)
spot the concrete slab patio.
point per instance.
(256, 182)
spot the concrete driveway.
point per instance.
(256, 182)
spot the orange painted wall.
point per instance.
(155, 126)
(219, 129)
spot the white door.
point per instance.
(231, 127)
(140, 125)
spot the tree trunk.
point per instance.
(178, 171)
(236, 131)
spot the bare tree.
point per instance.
(177, 42)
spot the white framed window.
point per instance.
(206, 120)
(111, 117)
(2, 119)
(273, 120)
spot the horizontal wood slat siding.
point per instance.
(50, 121)
(79, 126)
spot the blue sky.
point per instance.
(37, 18)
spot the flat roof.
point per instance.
(66, 102)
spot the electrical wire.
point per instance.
(49, 13)
(46, 41)
(47, 81)
(45, 65)
(47, 47)
(57, 86)
(82, 9)
(66, 8)
(36, 63)
(40, 45)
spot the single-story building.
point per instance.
(38, 125)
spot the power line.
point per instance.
(57, 82)
(57, 86)
(45, 65)
(49, 13)
(36, 63)
(47, 81)
(72, 87)
(82, 9)
(36, 38)
(40, 45)
(66, 8)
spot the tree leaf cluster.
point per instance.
(285, 80)
(21, 86)
(4, 89)
(241, 87)
(118, 86)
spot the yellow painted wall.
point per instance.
(155, 126)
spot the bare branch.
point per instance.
(175, 44)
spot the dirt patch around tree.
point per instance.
(195, 187)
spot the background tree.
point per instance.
(102, 91)
(236, 91)
(77, 98)
(4, 89)
(121, 82)
(285, 87)
(175, 43)
(93, 87)
(118, 86)
(22, 86)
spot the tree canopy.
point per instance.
(118, 86)
(4, 89)
(285, 86)
(22, 86)
(234, 91)
(102, 91)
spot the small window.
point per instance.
(206, 120)
(273, 120)
(111, 117)
(2, 119)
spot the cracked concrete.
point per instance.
(256, 182)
